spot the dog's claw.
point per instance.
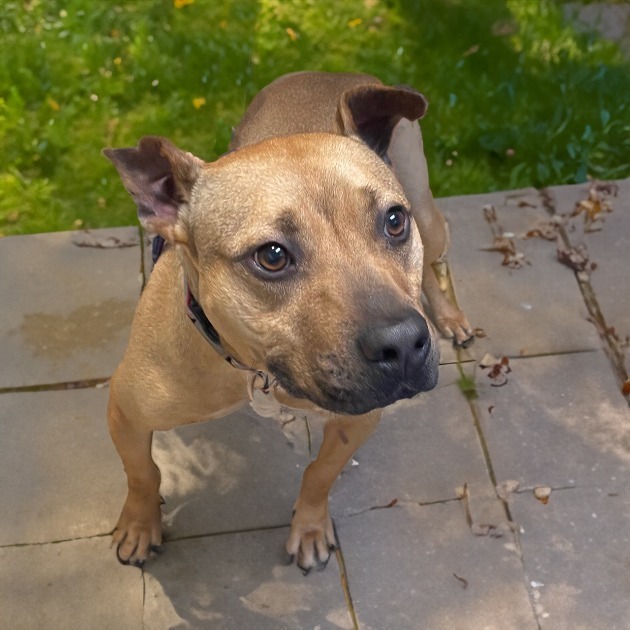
(157, 549)
(465, 343)
(123, 562)
(304, 570)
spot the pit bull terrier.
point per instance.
(301, 256)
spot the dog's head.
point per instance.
(305, 255)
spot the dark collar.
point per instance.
(209, 332)
(202, 323)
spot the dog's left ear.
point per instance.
(370, 112)
(160, 178)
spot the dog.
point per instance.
(297, 261)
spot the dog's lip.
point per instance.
(366, 396)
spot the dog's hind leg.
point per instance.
(312, 537)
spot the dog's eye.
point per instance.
(272, 257)
(396, 223)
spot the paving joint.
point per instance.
(471, 395)
(94, 383)
(611, 344)
(54, 542)
(345, 582)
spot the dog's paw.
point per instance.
(138, 533)
(457, 328)
(312, 538)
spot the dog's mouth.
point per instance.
(371, 388)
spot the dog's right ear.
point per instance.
(160, 178)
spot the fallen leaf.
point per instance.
(548, 229)
(542, 493)
(498, 369)
(198, 102)
(354, 23)
(574, 257)
(488, 529)
(488, 360)
(596, 205)
(502, 243)
(178, 4)
(625, 388)
(88, 239)
(506, 488)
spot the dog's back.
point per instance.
(301, 102)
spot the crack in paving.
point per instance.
(94, 383)
(55, 542)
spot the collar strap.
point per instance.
(209, 332)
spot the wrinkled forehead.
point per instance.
(272, 184)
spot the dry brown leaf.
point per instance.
(502, 243)
(88, 239)
(574, 257)
(596, 205)
(506, 488)
(542, 493)
(498, 369)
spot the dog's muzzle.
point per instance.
(393, 359)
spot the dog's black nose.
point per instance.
(400, 347)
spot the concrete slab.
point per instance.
(240, 581)
(537, 309)
(576, 551)
(75, 584)
(61, 476)
(236, 473)
(70, 308)
(399, 460)
(415, 567)
(558, 422)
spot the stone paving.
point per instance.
(500, 500)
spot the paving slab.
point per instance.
(75, 584)
(62, 477)
(559, 421)
(236, 473)
(415, 567)
(238, 581)
(400, 459)
(576, 551)
(70, 306)
(537, 309)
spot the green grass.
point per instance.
(517, 98)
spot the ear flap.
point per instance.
(370, 112)
(160, 179)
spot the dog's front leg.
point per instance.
(312, 536)
(139, 528)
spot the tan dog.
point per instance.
(301, 249)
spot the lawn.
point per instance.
(517, 97)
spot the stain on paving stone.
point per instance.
(57, 337)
